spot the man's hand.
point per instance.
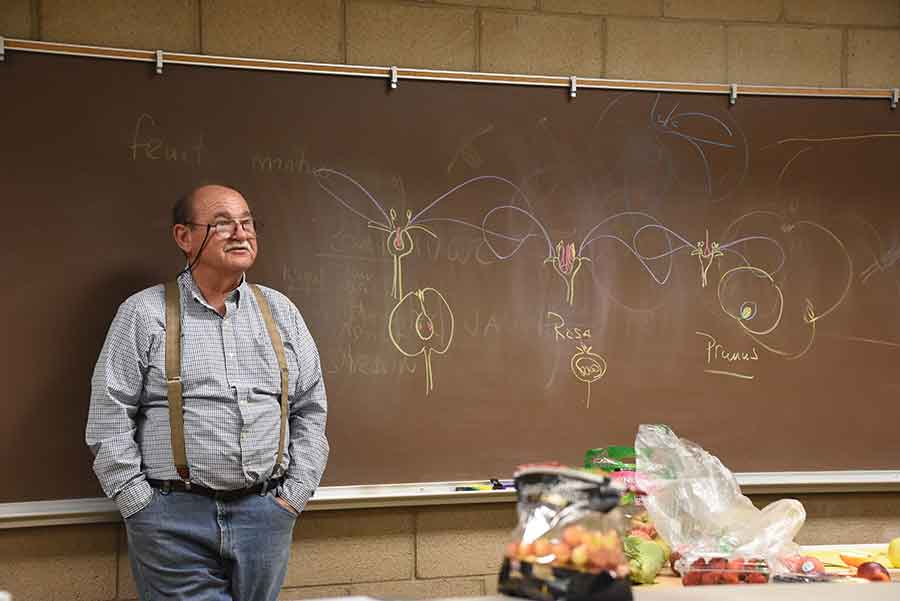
(286, 505)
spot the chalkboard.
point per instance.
(494, 274)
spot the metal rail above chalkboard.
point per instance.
(394, 74)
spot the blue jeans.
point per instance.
(188, 547)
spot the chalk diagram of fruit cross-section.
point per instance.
(747, 275)
(587, 367)
(424, 309)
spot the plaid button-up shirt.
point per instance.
(232, 385)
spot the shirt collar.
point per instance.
(187, 282)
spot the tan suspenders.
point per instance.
(173, 376)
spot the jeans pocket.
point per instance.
(273, 498)
(147, 509)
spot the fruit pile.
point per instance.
(724, 570)
(576, 548)
(872, 564)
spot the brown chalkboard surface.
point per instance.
(494, 274)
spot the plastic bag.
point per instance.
(697, 506)
(567, 545)
(617, 462)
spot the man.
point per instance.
(185, 436)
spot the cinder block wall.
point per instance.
(445, 551)
(403, 553)
(852, 43)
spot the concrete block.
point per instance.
(406, 35)
(163, 24)
(726, 10)
(514, 4)
(619, 8)
(127, 588)
(336, 547)
(841, 12)
(541, 44)
(313, 592)
(784, 55)
(665, 51)
(15, 18)
(873, 58)
(59, 563)
(421, 589)
(462, 541)
(491, 582)
(307, 30)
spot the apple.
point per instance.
(873, 571)
(894, 552)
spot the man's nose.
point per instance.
(240, 233)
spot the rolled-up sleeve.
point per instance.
(308, 446)
(116, 388)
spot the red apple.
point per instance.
(873, 571)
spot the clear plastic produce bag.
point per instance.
(697, 506)
(568, 542)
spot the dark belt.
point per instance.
(262, 488)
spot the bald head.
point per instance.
(186, 206)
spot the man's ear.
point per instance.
(182, 235)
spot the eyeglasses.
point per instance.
(226, 229)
